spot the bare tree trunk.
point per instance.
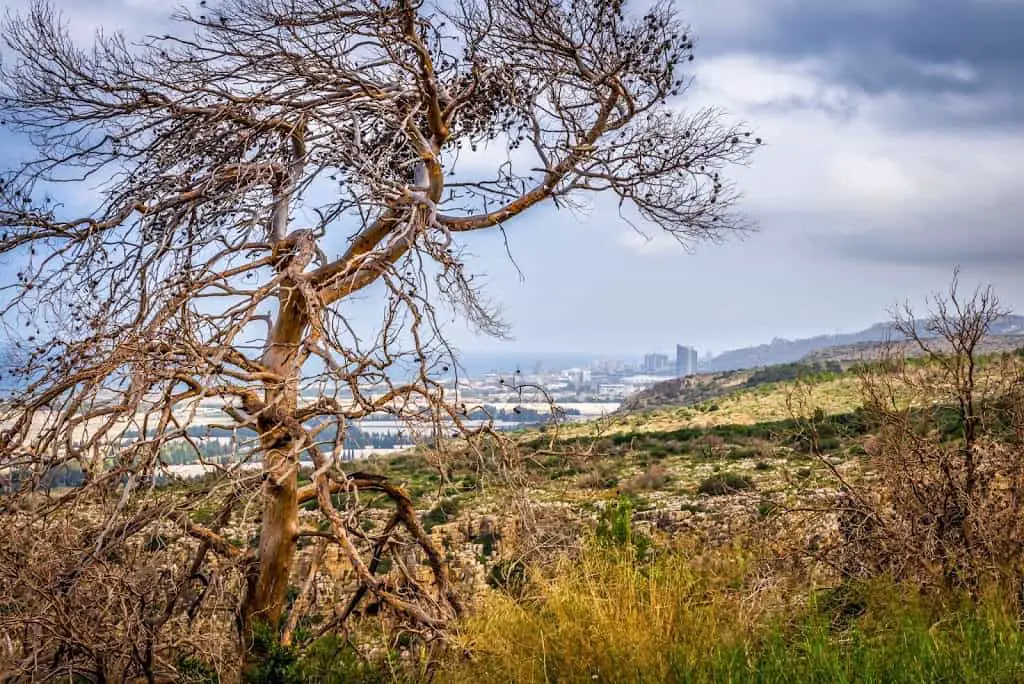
(280, 525)
(281, 444)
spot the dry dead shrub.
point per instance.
(653, 478)
(600, 476)
(78, 606)
(941, 504)
(712, 443)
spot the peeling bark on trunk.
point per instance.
(281, 444)
(278, 532)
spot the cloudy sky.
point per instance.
(894, 131)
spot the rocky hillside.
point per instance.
(704, 387)
(871, 350)
(780, 351)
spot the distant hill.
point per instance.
(696, 389)
(789, 351)
(867, 350)
(1007, 335)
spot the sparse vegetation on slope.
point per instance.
(706, 387)
(861, 525)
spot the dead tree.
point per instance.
(949, 485)
(197, 209)
(939, 502)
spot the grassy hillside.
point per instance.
(707, 387)
(699, 543)
(681, 544)
(608, 618)
(704, 387)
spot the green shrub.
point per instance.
(445, 511)
(766, 508)
(509, 576)
(725, 483)
(623, 438)
(274, 662)
(204, 515)
(333, 660)
(157, 542)
(657, 452)
(829, 444)
(615, 527)
(192, 670)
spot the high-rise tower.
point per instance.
(686, 361)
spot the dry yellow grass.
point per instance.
(606, 617)
(746, 407)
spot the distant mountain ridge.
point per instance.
(780, 351)
(783, 360)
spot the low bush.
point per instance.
(655, 477)
(601, 477)
(445, 511)
(725, 483)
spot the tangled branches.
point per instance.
(939, 502)
(181, 294)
